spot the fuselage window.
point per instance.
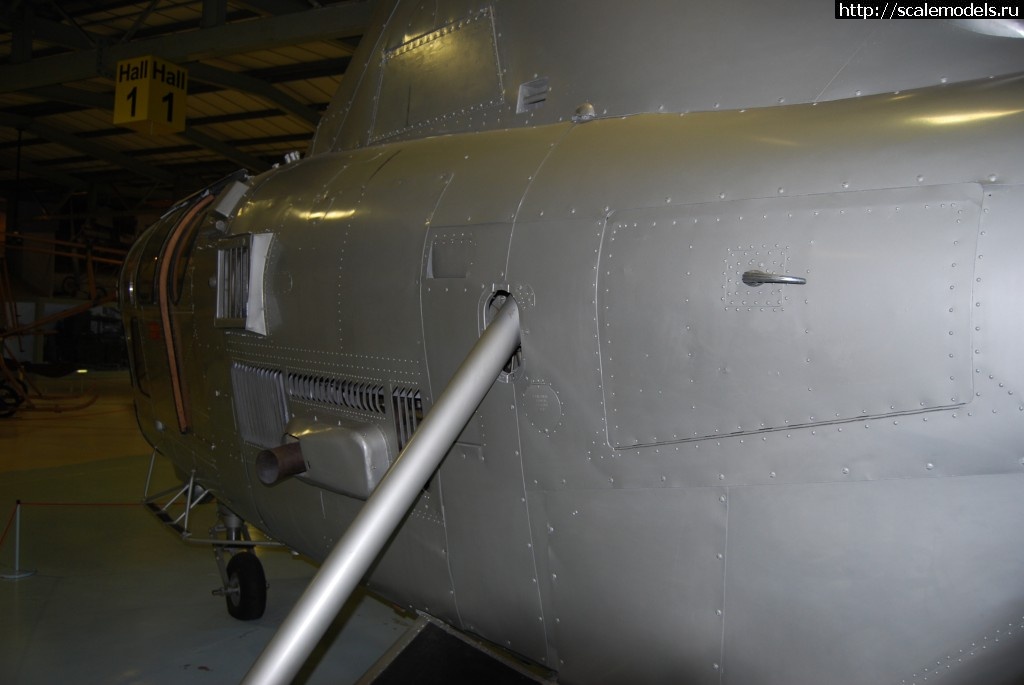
(182, 255)
(138, 359)
(155, 238)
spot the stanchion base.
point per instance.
(17, 575)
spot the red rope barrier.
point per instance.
(81, 504)
(19, 503)
(80, 415)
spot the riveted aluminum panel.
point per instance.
(488, 525)
(489, 535)
(413, 568)
(717, 356)
(335, 224)
(441, 74)
(635, 583)
(942, 136)
(386, 232)
(336, 227)
(677, 54)
(892, 581)
(683, 57)
(453, 304)
(213, 445)
(313, 207)
(413, 20)
(999, 296)
(489, 173)
(557, 261)
(294, 510)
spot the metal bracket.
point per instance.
(188, 496)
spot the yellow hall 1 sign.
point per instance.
(150, 95)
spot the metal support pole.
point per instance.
(188, 498)
(369, 532)
(149, 476)
(18, 572)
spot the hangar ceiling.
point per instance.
(260, 73)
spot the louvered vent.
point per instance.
(260, 409)
(532, 94)
(340, 393)
(232, 284)
(408, 407)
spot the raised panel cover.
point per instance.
(882, 325)
(438, 75)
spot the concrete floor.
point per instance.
(116, 598)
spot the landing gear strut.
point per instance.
(243, 582)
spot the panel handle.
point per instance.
(756, 277)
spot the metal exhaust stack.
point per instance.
(278, 463)
(358, 548)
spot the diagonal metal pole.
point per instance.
(369, 532)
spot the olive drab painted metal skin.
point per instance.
(765, 424)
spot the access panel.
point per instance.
(855, 305)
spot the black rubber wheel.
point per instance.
(69, 286)
(246, 594)
(10, 400)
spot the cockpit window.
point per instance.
(145, 279)
(183, 254)
(138, 366)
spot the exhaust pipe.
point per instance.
(278, 463)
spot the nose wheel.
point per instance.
(245, 591)
(244, 584)
(11, 398)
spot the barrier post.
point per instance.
(19, 573)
